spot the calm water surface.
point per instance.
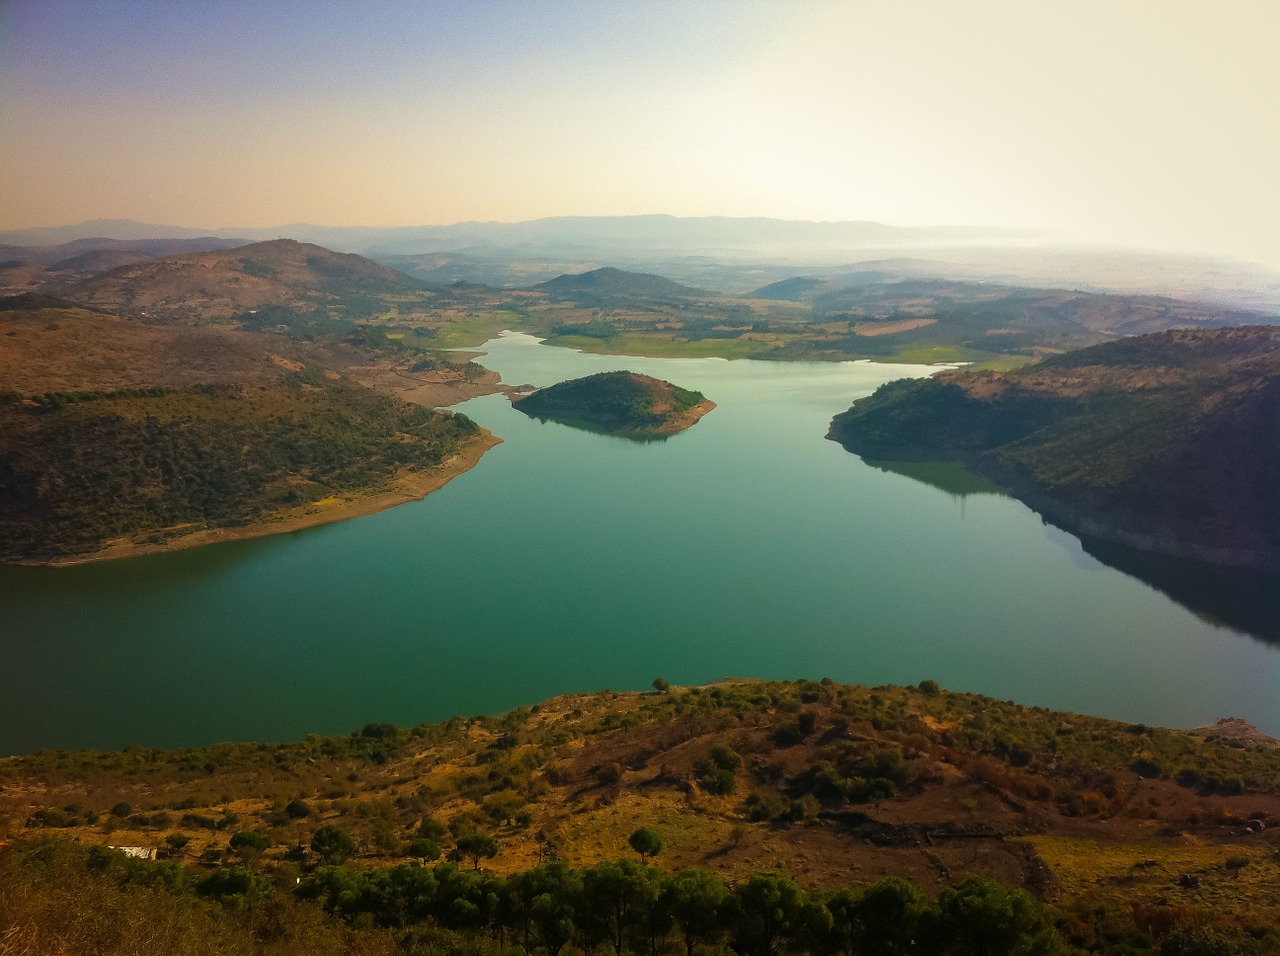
(570, 561)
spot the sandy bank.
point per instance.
(407, 487)
(682, 421)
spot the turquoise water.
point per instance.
(571, 561)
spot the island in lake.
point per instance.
(620, 403)
(1165, 442)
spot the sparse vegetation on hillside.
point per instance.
(1125, 831)
(297, 277)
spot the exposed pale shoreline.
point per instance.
(684, 420)
(412, 486)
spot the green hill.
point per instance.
(622, 403)
(609, 286)
(80, 469)
(1167, 442)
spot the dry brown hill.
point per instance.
(220, 285)
(52, 350)
(833, 784)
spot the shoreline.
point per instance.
(404, 489)
(1074, 519)
(686, 419)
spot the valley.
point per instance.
(249, 398)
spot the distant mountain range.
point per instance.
(730, 254)
(688, 235)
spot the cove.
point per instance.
(568, 561)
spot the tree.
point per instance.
(885, 919)
(424, 848)
(980, 917)
(609, 894)
(661, 685)
(764, 914)
(695, 898)
(332, 844)
(539, 904)
(718, 776)
(476, 845)
(645, 842)
(248, 840)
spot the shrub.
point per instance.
(332, 844)
(249, 840)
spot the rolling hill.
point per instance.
(221, 285)
(118, 435)
(1168, 442)
(610, 286)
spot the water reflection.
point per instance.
(949, 476)
(1237, 598)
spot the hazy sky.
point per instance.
(1155, 123)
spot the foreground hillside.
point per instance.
(1135, 838)
(1165, 442)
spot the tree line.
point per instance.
(628, 906)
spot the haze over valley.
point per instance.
(755, 478)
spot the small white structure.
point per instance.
(137, 852)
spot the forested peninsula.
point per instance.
(218, 395)
(1168, 442)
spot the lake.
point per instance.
(567, 561)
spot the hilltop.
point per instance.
(1121, 830)
(1165, 442)
(621, 403)
(609, 286)
(235, 283)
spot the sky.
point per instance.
(1152, 123)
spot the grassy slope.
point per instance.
(836, 785)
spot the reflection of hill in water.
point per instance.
(634, 437)
(1238, 598)
(949, 476)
